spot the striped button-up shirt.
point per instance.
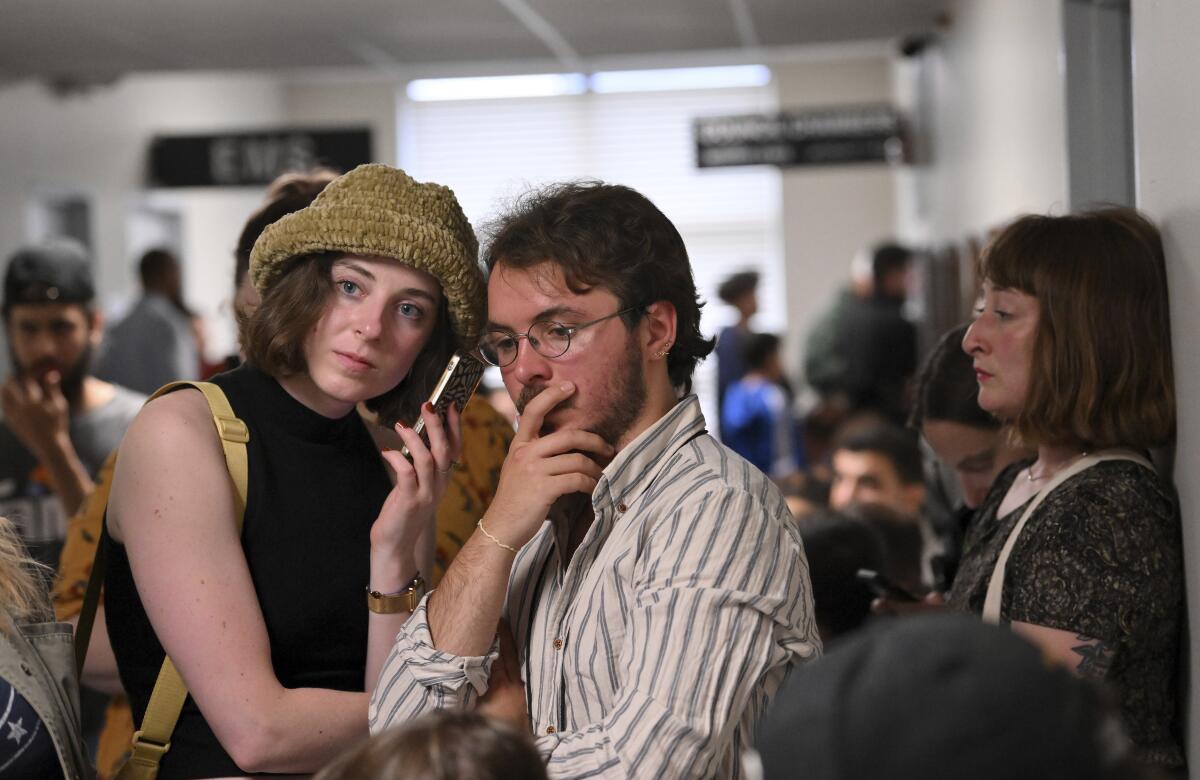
(655, 648)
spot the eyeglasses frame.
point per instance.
(571, 331)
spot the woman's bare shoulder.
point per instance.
(183, 413)
(173, 446)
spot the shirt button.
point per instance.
(550, 730)
(558, 643)
(622, 508)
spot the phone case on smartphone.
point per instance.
(456, 385)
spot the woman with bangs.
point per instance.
(279, 630)
(1079, 548)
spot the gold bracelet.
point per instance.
(499, 543)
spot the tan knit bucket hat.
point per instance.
(381, 211)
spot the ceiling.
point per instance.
(96, 40)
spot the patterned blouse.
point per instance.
(1100, 557)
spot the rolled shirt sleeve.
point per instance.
(418, 678)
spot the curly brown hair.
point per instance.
(613, 237)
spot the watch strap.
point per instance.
(405, 600)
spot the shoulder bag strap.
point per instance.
(995, 591)
(153, 740)
(95, 503)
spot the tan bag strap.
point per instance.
(95, 503)
(995, 591)
(153, 740)
(234, 435)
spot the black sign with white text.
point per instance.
(826, 136)
(247, 159)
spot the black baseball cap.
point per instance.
(941, 695)
(57, 271)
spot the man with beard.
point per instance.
(636, 592)
(60, 423)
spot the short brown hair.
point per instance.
(273, 335)
(1102, 374)
(445, 745)
(613, 237)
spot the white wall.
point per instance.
(97, 144)
(1167, 143)
(830, 212)
(998, 125)
(369, 101)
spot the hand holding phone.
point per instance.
(884, 588)
(456, 385)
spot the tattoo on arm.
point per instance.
(1095, 657)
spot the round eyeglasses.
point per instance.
(548, 338)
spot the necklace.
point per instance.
(1051, 472)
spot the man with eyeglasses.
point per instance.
(636, 592)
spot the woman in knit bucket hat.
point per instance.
(278, 630)
(373, 211)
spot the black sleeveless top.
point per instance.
(315, 487)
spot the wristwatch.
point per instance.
(405, 600)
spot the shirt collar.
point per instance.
(639, 462)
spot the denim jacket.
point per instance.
(38, 660)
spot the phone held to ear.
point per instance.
(456, 385)
(882, 587)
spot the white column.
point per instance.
(1167, 147)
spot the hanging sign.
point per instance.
(251, 159)
(823, 136)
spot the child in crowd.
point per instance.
(757, 419)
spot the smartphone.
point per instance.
(456, 385)
(882, 587)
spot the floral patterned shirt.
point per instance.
(1101, 557)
